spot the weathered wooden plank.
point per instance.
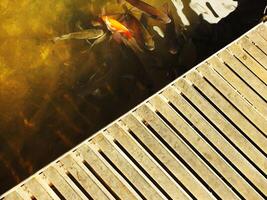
(262, 30)
(191, 136)
(63, 173)
(37, 190)
(236, 99)
(251, 79)
(255, 52)
(79, 161)
(239, 85)
(258, 40)
(13, 196)
(229, 111)
(216, 186)
(62, 186)
(243, 187)
(250, 63)
(104, 170)
(128, 168)
(219, 121)
(147, 162)
(84, 179)
(22, 191)
(42, 180)
(166, 157)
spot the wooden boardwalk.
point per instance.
(202, 137)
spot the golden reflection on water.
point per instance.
(30, 64)
(37, 100)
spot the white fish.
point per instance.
(88, 34)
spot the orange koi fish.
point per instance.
(116, 27)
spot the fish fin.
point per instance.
(103, 11)
(88, 41)
(79, 25)
(96, 23)
(98, 40)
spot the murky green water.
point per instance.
(54, 95)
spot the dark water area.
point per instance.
(55, 95)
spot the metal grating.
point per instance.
(202, 137)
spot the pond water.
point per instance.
(53, 95)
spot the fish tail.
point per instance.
(128, 35)
(131, 43)
(55, 39)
